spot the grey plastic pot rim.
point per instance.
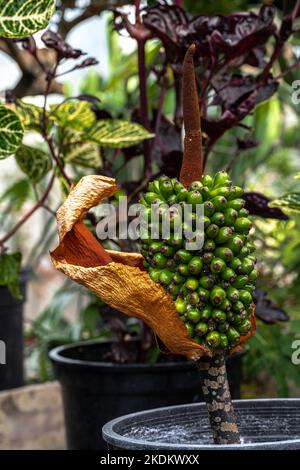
(119, 441)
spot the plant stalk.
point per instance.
(217, 397)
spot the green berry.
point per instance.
(208, 208)
(183, 256)
(242, 225)
(253, 275)
(236, 204)
(224, 253)
(213, 339)
(206, 313)
(207, 282)
(203, 294)
(195, 265)
(183, 269)
(236, 192)
(221, 179)
(190, 329)
(238, 307)
(233, 336)
(230, 216)
(191, 284)
(235, 243)
(193, 315)
(243, 213)
(178, 279)
(245, 252)
(223, 341)
(207, 180)
(217, 295)
(226, 305)
(154, 274)
(249, 287)
(247, 266)
(171, 265)
(219, 316)
(240, 281)
(212, 231)
(172, 200)
(166, 188)
(244, 327)
(224, 235)
(151, 197)
(193, 298)
(201, 329)
(218, 218)
(155, 247)
(194, 198)
(173, 289)
(180, 306)
(220, 203)
(167, 251)
(182, 195)
(232, 294)
(228, 275)
(236, 265)
(178, 187)
(223, 327)
(195, 185)
(165, 277)
(207, 258)
(209, 246)
(217, 265)
(159, 260)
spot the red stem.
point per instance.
(296, 10)
(29, 214)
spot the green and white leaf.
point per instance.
(76, 150)
(288, 203)
(74, 114)
(11, 132)
(10, 265)
(118, 133)
(29, 114)
(34, 162)
(21, 18)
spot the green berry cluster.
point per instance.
(212, 288)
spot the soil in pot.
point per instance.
(95, 390)
(263, 424)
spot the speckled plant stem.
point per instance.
(216, 394)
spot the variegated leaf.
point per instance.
(35, 163)
(79, 152)
(29, 114)
(288, 202)
(11, 132)
(74, 114)
(118, 133)
(21, 18)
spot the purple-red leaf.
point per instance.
(55, 41)
(257, 204)
(266, 310)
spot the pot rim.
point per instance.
(57, 357)
(115, 439)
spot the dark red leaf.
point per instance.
(266, 310)
(257, 204)
(55, 41)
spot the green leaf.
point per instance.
(118, 134)
(17, 194)
(10, 265)
(288, 202)
(21, 18)
(11, 132)
(75, 114)
(30, 115)
(77, 151)
(35, 163)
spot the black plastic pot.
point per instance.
(95, 392)
(11, 333)
(264, 424)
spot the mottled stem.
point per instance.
(216, 394)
